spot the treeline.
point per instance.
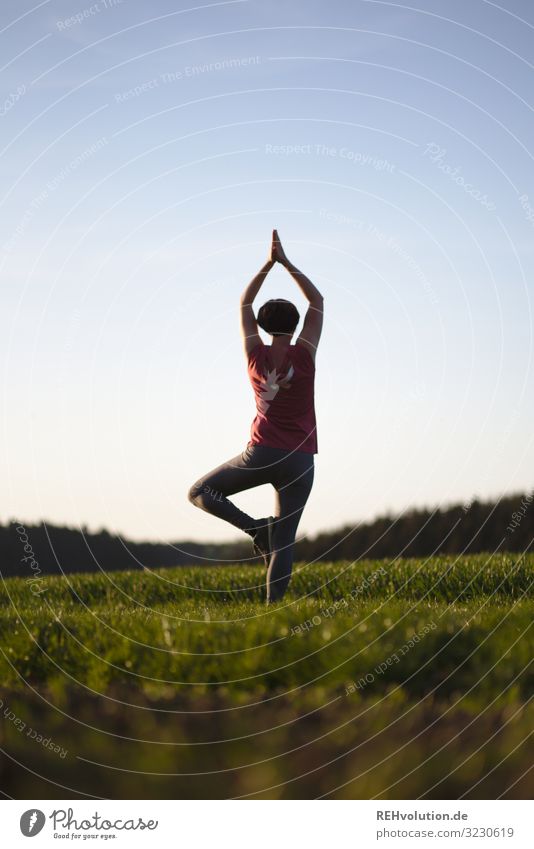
(490, 526)
(27, 550)
(505, 525)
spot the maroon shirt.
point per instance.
(285, 410)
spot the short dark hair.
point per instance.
(278, 317)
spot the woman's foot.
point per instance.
(263, 537)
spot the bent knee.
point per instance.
(194, 491)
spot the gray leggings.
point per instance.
(291, 474)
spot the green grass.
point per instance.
(388, 680)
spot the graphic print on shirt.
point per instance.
(270, 383)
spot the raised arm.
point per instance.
(249, 326)
(313, 321)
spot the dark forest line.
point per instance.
(481, 526)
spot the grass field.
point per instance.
(371, 680)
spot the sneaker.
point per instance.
(263, 539)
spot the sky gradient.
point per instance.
(147, 151)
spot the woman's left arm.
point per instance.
(249, 326)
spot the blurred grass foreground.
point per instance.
(382, 679)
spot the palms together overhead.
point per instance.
(277, 251)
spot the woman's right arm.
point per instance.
(313, 321)
(310, 292)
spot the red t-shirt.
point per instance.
(285, 410)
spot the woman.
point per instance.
(283, 437)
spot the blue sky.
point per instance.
(146, 154)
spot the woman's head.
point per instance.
(278, 317)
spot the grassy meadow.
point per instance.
(388, 680)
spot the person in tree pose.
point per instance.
(283, 435)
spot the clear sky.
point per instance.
(147, 151)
